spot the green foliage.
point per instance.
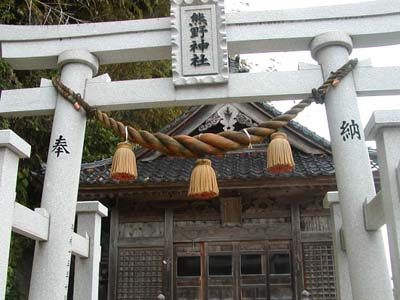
(99, 141)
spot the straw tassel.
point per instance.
(124, 163)
(203, 181)
(279, 157)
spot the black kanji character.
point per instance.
(60, 146)
(350, 130)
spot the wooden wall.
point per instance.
(147, 237)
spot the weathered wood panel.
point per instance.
(141, 230)
(198, 211)
(139, 273)
(188, 287)
(168, 274)
(265, 208)
(297, 260)
(316, 237)
(315, 223)
(231, 211)
(268, 227)
(113, 254)
(140, 211)
(246, 232)
(319, 270)
(142, 242)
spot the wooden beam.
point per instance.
(310, 236)
(297, 258)
(113, 253)
(370, 24)
(147, 93)
(29, 223)
(168, 262)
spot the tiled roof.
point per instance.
(245, 165)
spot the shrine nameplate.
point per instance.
(199, 47)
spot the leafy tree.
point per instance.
(99, 141)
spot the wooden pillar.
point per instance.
(113, 254)
(168, 272)
(236, 270)
(297, 257)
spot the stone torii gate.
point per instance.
(330, 33)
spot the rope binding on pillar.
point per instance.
(206, 144)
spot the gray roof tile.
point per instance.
(245, 165)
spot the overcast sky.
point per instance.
(314, 116)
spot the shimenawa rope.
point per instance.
(210, 143)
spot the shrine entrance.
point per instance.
(264, 238)
(142, 246)
(246, 270)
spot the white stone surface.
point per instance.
(375, 23)
(342, 276)
(374, 216)
(376, 81)
(78, 56)
(8, 139)
(384, 128)
(135, 94)
(86, 283)
(12, 148)
(91, 207)
(213, 40)
(51, 261)
(80, 245)
(369, 275)
(29, 223)
(381, 120)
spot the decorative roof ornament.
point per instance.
(228, 115)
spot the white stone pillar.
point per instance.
(12, 148)
(365, 250)
(342, 276)
(86, 280)
(51, 263)
(384, 128)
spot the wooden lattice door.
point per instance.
(319, 274)
(256, 270)
(139, 273)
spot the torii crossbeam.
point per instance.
(330, 33)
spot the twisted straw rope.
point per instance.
(206, 143)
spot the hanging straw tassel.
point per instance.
(123, 165)
(279, 157)
(203, 181)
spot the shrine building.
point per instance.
(267, 236)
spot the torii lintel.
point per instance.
(370, 24)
